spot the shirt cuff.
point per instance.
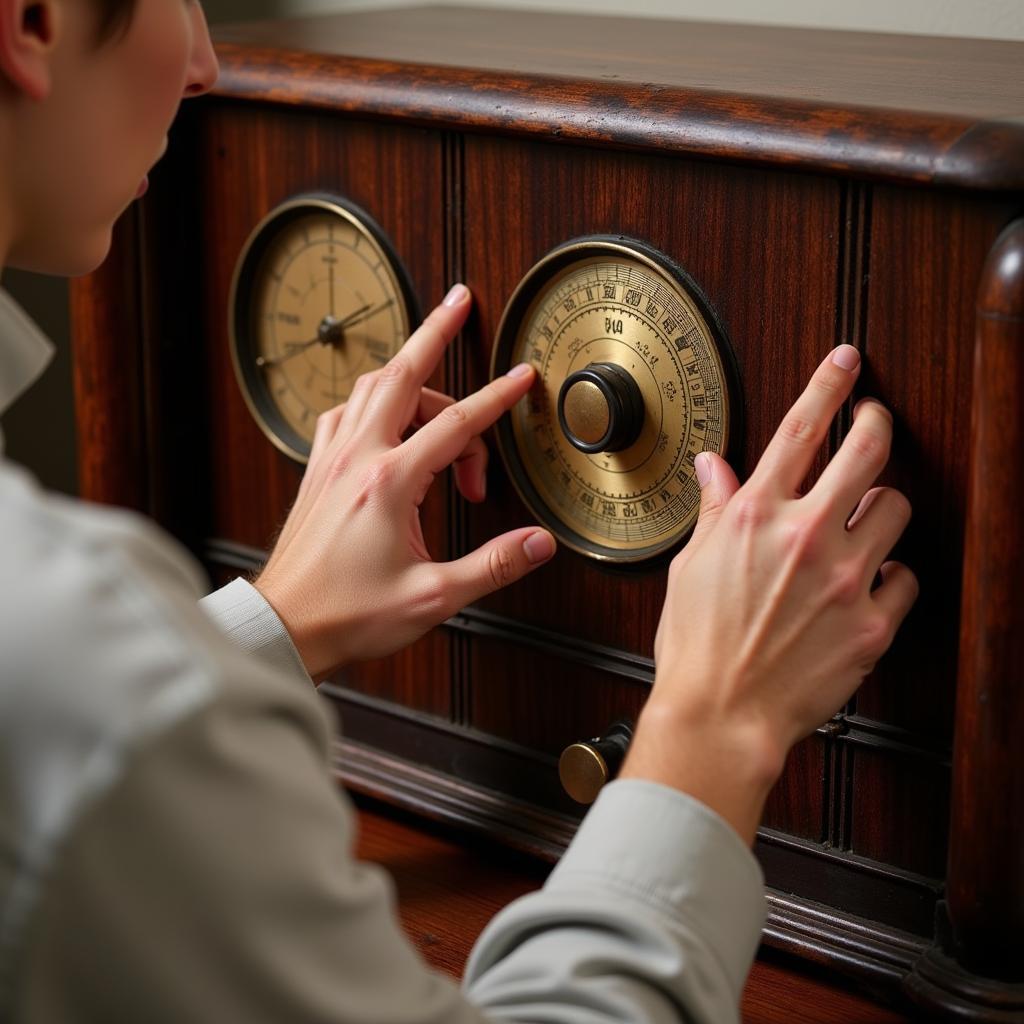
(656, 844)
(245, 616)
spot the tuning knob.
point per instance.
(585, 767)
(600, 408)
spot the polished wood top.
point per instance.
(894, 106)
(974, 78)
(450, 886)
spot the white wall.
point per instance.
(994, 19)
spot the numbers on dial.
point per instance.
(318, 300)
(328, 315)
(597, 303)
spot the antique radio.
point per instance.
(674, 222)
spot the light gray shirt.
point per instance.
(172, 847)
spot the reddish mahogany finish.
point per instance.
(820, 188)
(448, 890)
(986, 869)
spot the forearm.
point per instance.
(729, 766)
(653, 915)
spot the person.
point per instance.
(173, 846)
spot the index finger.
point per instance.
(787, 459)
(436, 445)
(397, 390)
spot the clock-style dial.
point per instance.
(318, 299)
(632, 382)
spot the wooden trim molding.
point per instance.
(980, 927)
(986, 858)
(874, 954)
(696, 87)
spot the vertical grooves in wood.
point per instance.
(455, 381)
(851, 329)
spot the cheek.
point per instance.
(151, 89)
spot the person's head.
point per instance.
(88, 89)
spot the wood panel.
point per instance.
(467, 167)
(902, 811)
(107, 368)
(249, 160)
(926, 254)
(779, 309)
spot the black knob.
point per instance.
(600, 408)
(585, 767)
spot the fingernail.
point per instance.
(539, 547)
(870, 401)
(702, 464)
(458, 294)
(846, 356)
(520, 370)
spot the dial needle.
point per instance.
(355, 318)
(296, 348)
(328, 334)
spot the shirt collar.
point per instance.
(24, 351)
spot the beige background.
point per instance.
(39, 429)
(996, 19)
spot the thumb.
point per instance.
(718, 484)
(495, 564)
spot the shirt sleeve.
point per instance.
(216, 881)
(245, 616)
(654, 914)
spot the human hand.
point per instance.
(350, 575)
(770, 621)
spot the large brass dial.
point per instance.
(632, 382)
(318, 298)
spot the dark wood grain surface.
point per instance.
(450, 887)
(793, 175)
(906, 107)
(986, 869)
(107, 372)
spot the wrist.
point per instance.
(730, 765)
(311, 640)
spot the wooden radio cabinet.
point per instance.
(818, 188)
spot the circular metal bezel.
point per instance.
(246, 279)
(520, 308)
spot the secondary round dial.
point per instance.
(631, 385)
(318, 299)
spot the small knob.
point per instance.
(600, 408)
(585, 767)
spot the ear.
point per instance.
(28, 34)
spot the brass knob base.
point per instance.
(584, 768)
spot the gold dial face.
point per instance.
(317, 300)
(631, 385)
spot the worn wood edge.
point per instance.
(893, 965)
(870, 953)
(867, 142)
(852, 730)
(939, 983)
(375, 723)
(440, 797)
